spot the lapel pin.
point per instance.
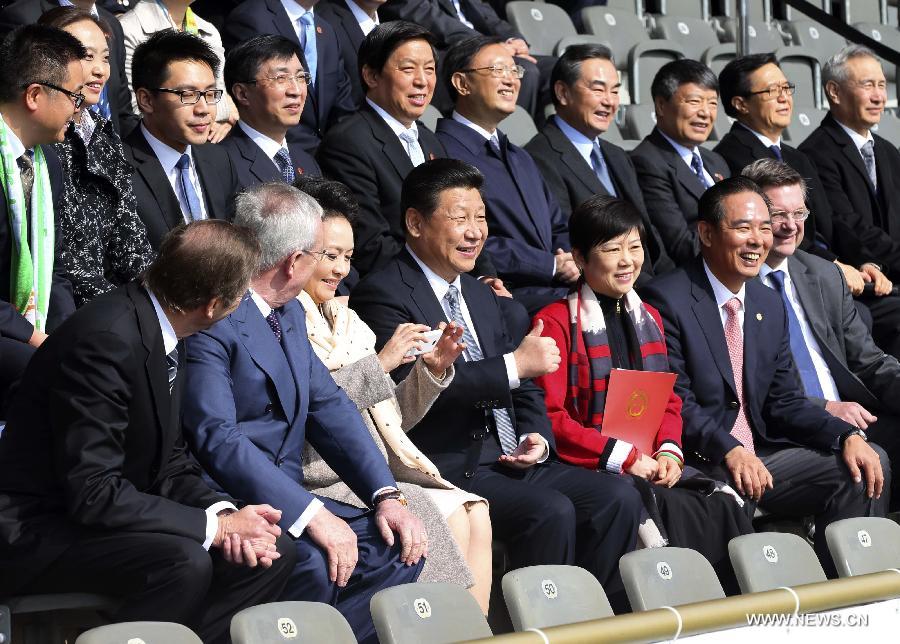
(718, 177)
(299, 170)
(431, 156)
(759, 316)
(318, 29)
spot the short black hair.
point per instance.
(243, 62)
(423, 186)
(710, 208)
(568, 66)
(336, 199)
(62, 17)
(460, 57)
(381, 42)
(673, 75)
(151, 59)
(34, 53)
(734, 79)
(601, 218)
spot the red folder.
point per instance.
(635, 404)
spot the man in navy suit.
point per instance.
(268, 84)
(529, 238)
(256, 392)
(353, 20)
(746, 415)
(329, 96)
(488, 432)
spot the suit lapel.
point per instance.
(151, 170)
(530, 191)
(885, 181)
(685, 175)
(420, 290)
(753, 319)
(481, 307)
(571, 158)
(155, 364)
(707, 314)
(260, 165)
(390, 143)
(809, 292)
(208, 183)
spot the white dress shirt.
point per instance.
(168, 158)
(269, 146)
(366, 22)
(723, 294)
(396, 126)
(170, 341)
(295, 12)
(858, 139)
(687, 155)
(461, 15)
(823, 373)
(766, 141)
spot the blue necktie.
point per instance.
(697, 167)
(191, 199)
(308, 43)
(802, 356)
(285, 165)
(776, 150)
(601, 170)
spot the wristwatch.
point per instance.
(856, 431)
(391, 495)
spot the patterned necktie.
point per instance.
(697, 167)
(274, 323)
(734, 337)
(601, 170)
(413, 149)
(172, 367)
(802, 356)
(505, 431)
(868, 155)
(285, 165)
(776, 150)
(191, 199)
(26, 172)
(494, 145)
(308, 43)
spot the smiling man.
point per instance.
(674, 171)
(177, 178)
(747, 420)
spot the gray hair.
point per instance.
(769, 173)
(284, 219)
(836, 67)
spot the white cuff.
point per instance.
(618, 456)
(512, 371)
(546, 453)
(300, 524)
(212, 520)
(669, 446)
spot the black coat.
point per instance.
(350, 36)
(253, 166)
(440, 18)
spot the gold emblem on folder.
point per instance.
(637, 403)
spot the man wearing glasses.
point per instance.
(40, 84)
(269, 85)
(177, 178)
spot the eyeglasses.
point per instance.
(77, 97)
(283, 80)
(333, 258)
(316, 255)
(499, 71)
(781, 217)
(192, 96)
(775, 91)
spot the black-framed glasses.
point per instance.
(499, 71)
(775, 91)
(192, 96)
(77, 97)
(283, 80)
(781, 217)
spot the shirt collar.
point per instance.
(267, 144)
(438, 284)
(17, 148)
(365, 22)
(396, 126)
(577, 139)
(170, 340)
(685, 153)
(459, 118)
(858, 140)
(168, 157)
(722, 292)
(766, 141)
(260, 303)
(782, 266)
(294, 10)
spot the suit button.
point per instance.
(733, 404)
(477, 436)
(280, 462)
(268, 408)
(470, 474)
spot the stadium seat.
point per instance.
(631, 6)
(638, 57)
(804, 121)
(685, 8)
(639, 121)
(769, 560)
(519, 126)
(430, 117)
(5, 625)
(725, 21)
(143, 632)
(695, 35)
(859, 11)
(888, 128)
(577, 39)
(789, 13)
(889, 36)
(816, 38)
(863, 545)
(801, 66)
(543, 25)
(757, 10)
(545, 596)
(431, 613)
(656, 577)
(276, 622)
(50, 606)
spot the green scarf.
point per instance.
(190, 19)
(31, 269)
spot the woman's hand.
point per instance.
(668, 471)
(644, 466)
(406, 337)
(446, 351)
(218, 130)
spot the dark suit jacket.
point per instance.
(251, 403)
(157, 204)
(27, 12)
(862, 372)
(253, 166)
(440, 18)
(350, 36)
(452, 432)
(62, 302)
(93, 443)
(873, 219)
(672, 192)
(573, 181)
(776, 408)
(365, 154)
(330, 97)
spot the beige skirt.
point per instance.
(448, 501)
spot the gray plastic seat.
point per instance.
(657, 577)
(888, 128)
(889, 36)
(280, 621)
(143, 632)
(430, 117)
(545, 596)
(805, 119)
(52, 607)
(543, 25)
(578, 39)
(435, 613)
(801, 66)
(519, 126)
(815, 37)
(685, 8)
(789, 13)
(860, 10)
(863, 545)
(639, 121)
(769, 560)
(633, 6)
(695, 35)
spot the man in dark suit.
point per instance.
(257, 393)
(35, 295)
(672, 167)
(268, 84)
(176, 177)
(573, 157)
(746, 417)
(100, 494)
(529, 238)
(488, 431)
(353, 20)
(330, 96)
(117, 93)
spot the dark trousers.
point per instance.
(379, 567)
(885, 321)
(165, 578)
(14, 357)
